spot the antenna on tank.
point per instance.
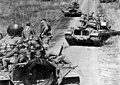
(27, 17)
(25, 1)
(14, 12)
(76, 1)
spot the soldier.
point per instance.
(83, 21)
(75, 4)
(1, 35)
(57, 61)
(83, 17)
(13, 40)
(45, 32)
(91, 16)
(59, 58)
(35, 48)
(28, 32)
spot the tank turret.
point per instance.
(92, 33)
(73, 10)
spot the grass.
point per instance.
(33, 11)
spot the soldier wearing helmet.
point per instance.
(91, 16)
(14, 36)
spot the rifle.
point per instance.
(60, 53)
(40, 36)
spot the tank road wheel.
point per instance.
(73, 80)
(79, 14)
(71, 84)
(68, 80)
(71, 42)
(97, 41)
(100, 41)
(74, 84)
(70, 39)
(66, 14)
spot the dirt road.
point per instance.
(97, 65)
(85, 57)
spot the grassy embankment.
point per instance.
(33, 11)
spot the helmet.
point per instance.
(28, 24)
(1, 35)
(14, 30)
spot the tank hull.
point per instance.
(34, 72)
(107, 1)
(69, 14)
(91, 40)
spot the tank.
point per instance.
(73, 10)
(69, 76)
(89, 34)
(104, 25)
(39, 72)
(107, 1)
